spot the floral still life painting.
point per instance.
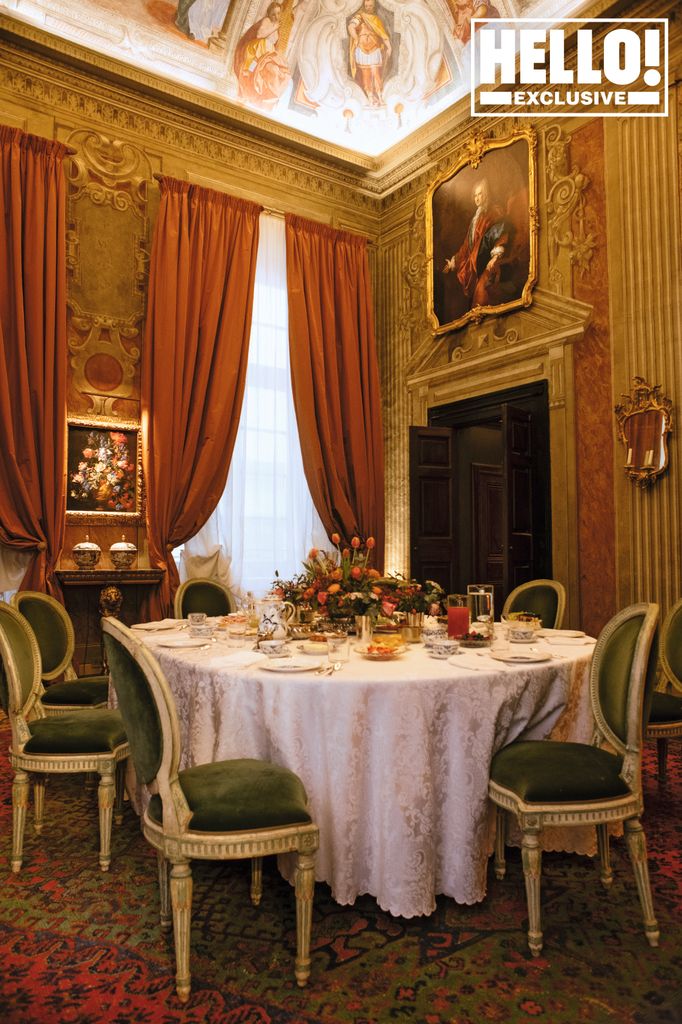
(102, 470)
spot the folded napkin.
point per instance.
(151, 627)
(240, 659)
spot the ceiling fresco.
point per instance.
(363, 74)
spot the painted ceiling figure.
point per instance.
(201, 19)
(370, 49)
(260, 55)
(462, 13)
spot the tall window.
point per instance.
(265, 520)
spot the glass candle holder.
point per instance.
(480, 601)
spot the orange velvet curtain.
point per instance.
(33, 355)
(335, 378)
(203, 268)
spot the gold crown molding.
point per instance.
(122, 109)
(232, 114)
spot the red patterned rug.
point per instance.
(80, 947)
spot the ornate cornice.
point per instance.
(202, 131)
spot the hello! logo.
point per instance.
(530, 67)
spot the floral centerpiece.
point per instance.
(337, 584)
(410, 596)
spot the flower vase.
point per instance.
(412, 630)
(363, 628)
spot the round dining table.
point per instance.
(394, 755)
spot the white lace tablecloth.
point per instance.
(394, 756)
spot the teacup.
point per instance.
(443, 648)
(434, 636)
(274, 648)
(196, 618)
(522, 631)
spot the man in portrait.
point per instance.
(369, 51)
(479, 261)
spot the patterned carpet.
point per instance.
(77, 946)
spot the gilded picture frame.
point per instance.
(104, 471)
(482, 232)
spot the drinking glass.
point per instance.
(196, 618)
(236, 633)
(480, 603)
(458, 615)
(338, 648)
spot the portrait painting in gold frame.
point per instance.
(103, 471)
(481, 232)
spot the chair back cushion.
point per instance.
(539, 600)
(618, 684)
(204, 596)
(48, 626)
(671, 643)
(18, 638)
(138, 709)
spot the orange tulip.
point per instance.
(336, 539)
(356, 572)
(337, 574)
(346, 553)
(355, 543)
(312, 553)
(333, 589)
(371, 543)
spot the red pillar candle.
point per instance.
(458, 621)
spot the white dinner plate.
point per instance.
(185, 641)
(290, 665)
(570, 641)
(153, 627)
(311, 647)
(518, 657)
(574, 633)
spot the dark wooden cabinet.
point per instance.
(82, 589)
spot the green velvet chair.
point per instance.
(53, 630)
(202, 595)
(544, 598)
(228, 810)
(88, 741)
(665, 718)
(547, 783)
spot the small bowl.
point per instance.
(274, 648)
(442, 649)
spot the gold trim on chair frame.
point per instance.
(78, 467)
(493, 180)
(644, 464)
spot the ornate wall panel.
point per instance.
(108, 239)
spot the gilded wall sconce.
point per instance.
(644, 421)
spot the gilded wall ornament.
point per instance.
(565, 203)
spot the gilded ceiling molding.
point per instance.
(565, 189)
(83, 97)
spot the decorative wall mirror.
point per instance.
(644, 421)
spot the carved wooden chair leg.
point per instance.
(19, 807)
(90, 782)
(531, 854)
(636, 841)
(120, 791)
(38, 803)
(662, 757)
(500, 843)
(256, 880)
(105, 799)
(606, 873)
(181, 901)
(164, 893)
(305, 886)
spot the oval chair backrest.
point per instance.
(671, 645)
(52, 627)
(540, 598)
(623, 673)
(200, 595)
(20, 662)
(138, 708)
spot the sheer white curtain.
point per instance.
(265, 519)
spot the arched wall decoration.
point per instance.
(107, 262)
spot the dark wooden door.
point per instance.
(432, 473)
(517, 503)
(487, 522)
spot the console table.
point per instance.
(83, 591)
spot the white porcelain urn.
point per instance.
(122, 553)
(86, 554)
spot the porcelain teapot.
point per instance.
(274, 614)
